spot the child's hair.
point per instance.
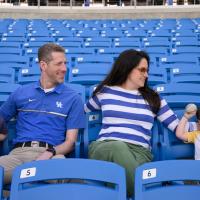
(198, 113)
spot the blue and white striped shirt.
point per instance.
(126, 116)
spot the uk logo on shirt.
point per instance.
(59, 104)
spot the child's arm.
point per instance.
(190, 111)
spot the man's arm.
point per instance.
(66, 147)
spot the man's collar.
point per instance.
(58, 89)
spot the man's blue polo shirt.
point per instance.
(44, 116)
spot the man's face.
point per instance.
(55, 70)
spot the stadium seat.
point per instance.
(61, 169)
(157, 76)
(28, 75)
(7, 75)
(5, 90)
(177, 95)
(178, 60)
(155, 180)
(14, 61)
(185, 75)
(1, 182)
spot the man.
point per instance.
(48, 112)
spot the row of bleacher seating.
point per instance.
(89, 70)
(31, 180)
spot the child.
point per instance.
(194, 136)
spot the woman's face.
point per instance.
(138, 75)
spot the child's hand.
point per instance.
(190, 111)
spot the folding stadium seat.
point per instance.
(194, 50)
(62, 33)
(10, 44)
(34, 44)
(69, 39)
(156, 39)
(73, 24)
(1, 182)
(31, 52)
(178, 60)
(5, 90)
(7, 75)
(177, 95)
(131, 23)
(158, 179)
(69, 44)
(150, 24)
(127, 39)
(79, 51)
(168, 24)
(10, 50)
(41, 39)
(157, 76)
(184, 33)
(157, 51)
(112, 33)
(14, 39)
(136, 33)
(73, 53)
(97, 45)
(94, 59)
(127, 44)
(187, 43)
(28, 75)
(111, 51)
(14, 33)
(87, 33)
(87, 74)
(158, 43)
(98, 39)
(14, 61)
(185, 75)
(90, 172)
(160, 33)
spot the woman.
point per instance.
(128, 107)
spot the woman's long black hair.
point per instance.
(124, 64)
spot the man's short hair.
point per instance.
(45, 51)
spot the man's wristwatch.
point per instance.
(52, 150)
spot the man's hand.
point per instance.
(45, 156)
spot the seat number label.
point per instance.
(29, 172)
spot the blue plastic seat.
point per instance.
(156, 179)
(14, 61)
(7, 74)
(185, 75)
(81, 169)
(177, 95)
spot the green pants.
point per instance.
(125, 154)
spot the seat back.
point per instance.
(155, 180)
(81, 169)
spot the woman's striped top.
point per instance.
(126, 116)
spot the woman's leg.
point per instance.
(127, 155)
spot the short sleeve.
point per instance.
(76, 117)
